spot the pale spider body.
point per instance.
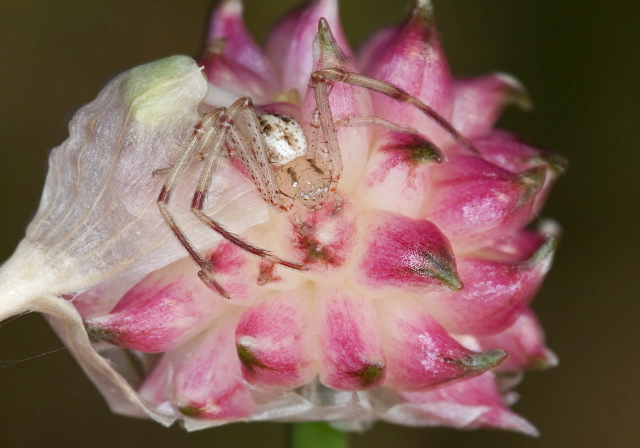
(302, 179)
(290, 169)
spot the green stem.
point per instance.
(316, 435)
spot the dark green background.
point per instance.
(580, 63)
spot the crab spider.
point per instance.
(289, 169)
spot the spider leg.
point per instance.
(374, 121)
(253, 154)
(197, 157)
(204, 131)
(323, 118)
(226, 124)
(355, 79)
(314, 137)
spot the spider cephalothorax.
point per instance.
(290, 168)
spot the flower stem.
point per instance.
(316, 435)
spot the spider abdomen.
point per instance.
(284, 137)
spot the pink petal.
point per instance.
(415, 62)
(495, 293)
(275, 344)
(237, 271)
(230, 80)
(475, 202)
(469, 404)
(100, 299)
(290, 43)
(478, 102)
(524, 341)
(519, 246)
(352, 354)
(397, 176)
(400, 252)
(227, 24)
(323, 240)
(420, 353)
(161, 312)
(374, 45)
(509, 152)
(204, 378)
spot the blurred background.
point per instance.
(579, 61)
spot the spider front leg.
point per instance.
(204, 131)
(320, 77)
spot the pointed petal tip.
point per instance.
(556, 162)
(245, 347)
(424, 9)
(514, 422)
(323, 26)
(515, 92)
(97, 331)
(532, 180)
(451, 279)
(370, 375)
(231, 7)
(330, 51)
(544, 255)
(481, 362)
(417, 149)
(547, 360)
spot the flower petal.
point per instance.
(400, 252)
(479, 101)
(374, 45)
(290, 42)
(275, 344)
(469, 404)
(226, 24)
(229, 80)
(324, 240)
(415, 62)
(495, 293)
(352, 354)
(524, 341)
(509, 152)
(202, 380)
(420, 352)
(161, 312)
(397, 176)
(474, 202)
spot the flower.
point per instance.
(402, 210)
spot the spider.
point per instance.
(289, 169)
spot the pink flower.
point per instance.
(404, 214)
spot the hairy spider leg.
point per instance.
(253, 152)
(320, 77)
(331, 157)
(375, 121)
(203, 132)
